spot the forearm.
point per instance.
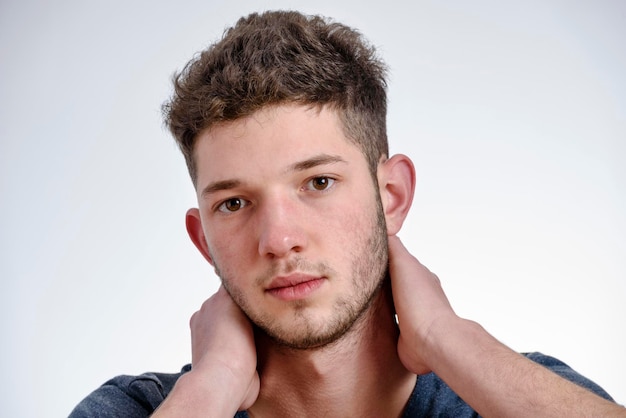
(498, 382)
(200, 395)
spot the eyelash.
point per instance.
(330, 183)
(222, 206)
(308, 185)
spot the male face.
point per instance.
(292, 221)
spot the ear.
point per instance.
(396, 182)
(196, 233)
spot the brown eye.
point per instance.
(321, 183)
(232, 205)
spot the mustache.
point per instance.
(294, 264)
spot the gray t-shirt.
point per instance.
(139, 396)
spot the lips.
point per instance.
(290, 280)
(294, 286)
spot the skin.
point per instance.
(274, 217)
(303, 313)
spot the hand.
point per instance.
(420, 305)
(223, 377)
(222, 340)
(490, 377)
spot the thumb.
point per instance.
(252, 393)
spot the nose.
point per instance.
(280, 226)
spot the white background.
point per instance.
(514, 113)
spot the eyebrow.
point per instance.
(315, 161)
(220, 185)
(321, 159)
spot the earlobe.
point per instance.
(396, 180)
(196, 233)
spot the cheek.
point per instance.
(343, 228)
(224, 252)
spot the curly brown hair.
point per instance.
(282, 57)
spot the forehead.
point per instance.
(271, 139)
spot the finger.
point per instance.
(416, 290)
(403, 265)
(396, 248)
(399, 254)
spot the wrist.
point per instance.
(198, 393)
(449, 337)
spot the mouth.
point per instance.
(294, 286)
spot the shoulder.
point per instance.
(128, 396)
(565, 371)
(433, 397)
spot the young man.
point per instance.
(322, 311)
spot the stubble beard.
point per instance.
(369, 269)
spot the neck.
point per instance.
(358, 375)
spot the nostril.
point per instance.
(281, 242)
